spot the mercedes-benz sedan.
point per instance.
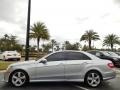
(75, 66)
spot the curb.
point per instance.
(2, 71)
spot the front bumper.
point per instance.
(6, 76)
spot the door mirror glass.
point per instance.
(44, 61)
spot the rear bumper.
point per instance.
(109, 75)
(10, 57)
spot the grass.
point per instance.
(5, 64)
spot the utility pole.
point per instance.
(28, 32)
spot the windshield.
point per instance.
(112, 54)
(106, 53)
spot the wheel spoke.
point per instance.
(91, 82)
(23, 77)
(15, 77)
(15, 81)
(96, 82)
(93, 75)
(97, 77)
(20, 81)
(19, 74)
(89, 78)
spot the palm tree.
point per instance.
(66, 45)
(39, 31)
(111, 40)
(12, 40)
(53, 43)
(89, 36)
(6, 36)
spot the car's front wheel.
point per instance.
(4, 58)
(93, 79)
(18, 78)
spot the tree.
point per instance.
(89, 36)
(39, 31)
(53, 44)
(9, 43)
(46, 47)
(111, 40)
(69, 46)
(66, 45)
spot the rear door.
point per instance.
(75, 63)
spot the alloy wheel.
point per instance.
(18, 78)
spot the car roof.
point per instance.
(93, 57)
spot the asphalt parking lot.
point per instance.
(113, 84)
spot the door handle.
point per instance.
(60, 64)
(85, 63)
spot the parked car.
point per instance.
(75, 66)
(118, 53)
(107, 56)
(10, 55)
(113, 54)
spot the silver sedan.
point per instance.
(75, 66)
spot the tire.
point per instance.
(18, 78)
(4, 59)
(93, 79)
(18, 59)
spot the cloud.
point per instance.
(10, 9)
(13, 17)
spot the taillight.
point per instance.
(111, 65)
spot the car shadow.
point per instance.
(56, 86)
(41, 86)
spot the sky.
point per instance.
(65, 19)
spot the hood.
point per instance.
(23, 63)
(116, 57)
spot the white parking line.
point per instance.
(80, 87)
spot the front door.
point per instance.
(53, 70)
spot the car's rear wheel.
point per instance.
(18, 78)
(93, 79)
(18, 59)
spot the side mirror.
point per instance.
(98, 54)
(44, 61)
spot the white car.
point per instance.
(8, 55)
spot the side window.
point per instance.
(76, 56)
(92, 52)
(56, 57)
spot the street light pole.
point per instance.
(28, 32)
